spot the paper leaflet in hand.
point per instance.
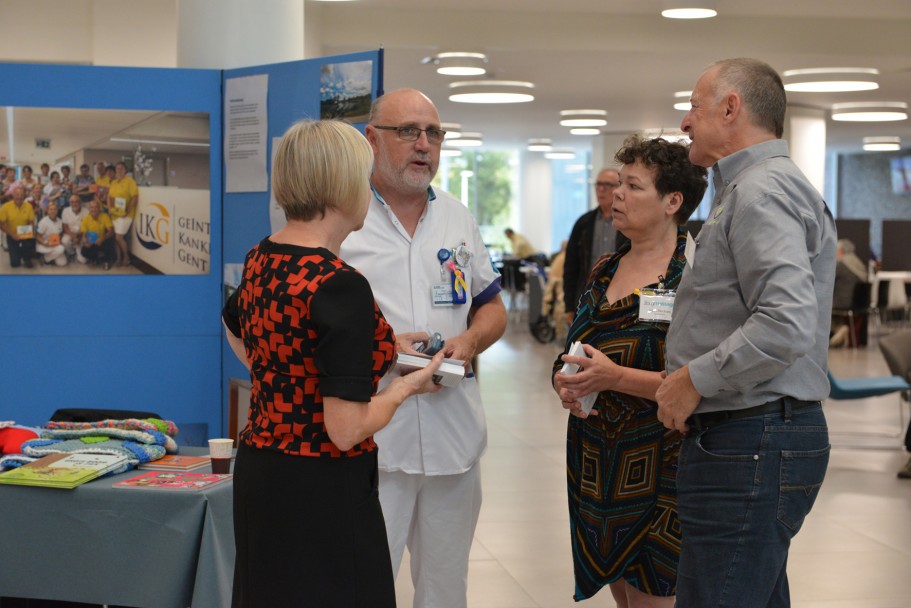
(587, 401)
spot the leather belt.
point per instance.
(700, 422)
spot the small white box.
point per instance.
(587, 401)
(450, 372)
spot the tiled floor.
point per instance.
(854, 550)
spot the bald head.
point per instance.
(403, 167)
(395, 99)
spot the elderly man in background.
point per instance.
(430, 272)
(592, 236)
(747, 347)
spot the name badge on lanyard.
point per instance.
(656, 305)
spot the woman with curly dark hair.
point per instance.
(621, 461)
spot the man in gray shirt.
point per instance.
(747, 347)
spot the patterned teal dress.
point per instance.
(621, 465)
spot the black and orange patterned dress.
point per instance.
(308, 526)
(621, 465)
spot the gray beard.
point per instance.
(404, 180)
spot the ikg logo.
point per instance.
(153, 226)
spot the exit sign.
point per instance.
(42, 143)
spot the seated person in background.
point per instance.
(17, 220)
(521, 248)
(98, 236)
(72, 228)
(50, 231)
(849, 271)
(553, 292)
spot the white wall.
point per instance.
(134, 33)
(535, 199)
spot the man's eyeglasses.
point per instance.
(434, 136)
(612, 185)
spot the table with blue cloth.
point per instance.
(103, 545)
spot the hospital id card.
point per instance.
(441, 294)
(656, 305)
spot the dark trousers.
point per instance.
(20, 250)
(100, 253)
(744, 488)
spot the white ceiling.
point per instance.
(621, 55)
(72, 130)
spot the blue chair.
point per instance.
(863, 388)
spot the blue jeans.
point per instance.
(743, 490)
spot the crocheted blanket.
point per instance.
(138, 440)
(150, 430)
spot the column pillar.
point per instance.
(224, 34)
(805, 132)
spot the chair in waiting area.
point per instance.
(860, 307)
(863, 388)
(896, 349)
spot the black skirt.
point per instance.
(309, 532)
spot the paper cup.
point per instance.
(220, 451)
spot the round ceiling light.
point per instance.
(870, 111)
(468, 140)
(585, 131)
(583, 118)
(450, 152)
(682, 101)
(560, 154)
(540, 145)
(459, 63)
(882, 144)
(491, 91)
(453, 130)
(689, 9)
(830, 80)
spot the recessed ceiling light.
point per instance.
(453, 129)
(468, 140)
(870, 111)
(450, 152)
(683, 101)
(829, 80)
(540, 145)
(882, 144)
(459, 63)
(491, 91)
(689, 9)
(560, 154)
(583, 118)
(585, 131)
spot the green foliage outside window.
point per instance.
(487, 177)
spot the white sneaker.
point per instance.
(81, 259)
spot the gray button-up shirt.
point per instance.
(752, 314)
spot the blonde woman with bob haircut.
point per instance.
(308, 526)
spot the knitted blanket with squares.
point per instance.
(138, 440)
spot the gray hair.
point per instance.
(760, 88)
